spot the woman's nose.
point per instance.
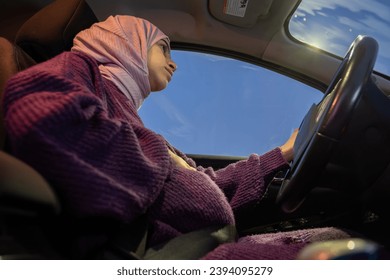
(172, 65)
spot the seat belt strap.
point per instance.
(193, 245)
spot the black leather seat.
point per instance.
(25, 197)
(26, 200)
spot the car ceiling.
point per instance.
(260, 37)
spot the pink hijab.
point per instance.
(120, 45)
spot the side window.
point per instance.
(220, 106)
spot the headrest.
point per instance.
(52, 29)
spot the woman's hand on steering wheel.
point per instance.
(287, 148)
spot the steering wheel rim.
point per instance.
(331, 119)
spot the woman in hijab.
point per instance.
(74, 119)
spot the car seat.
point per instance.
(24, 194)
(26, 200)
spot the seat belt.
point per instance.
(193, 245)
(130, 243)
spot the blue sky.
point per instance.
(220, 106)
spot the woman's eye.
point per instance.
(165, 49)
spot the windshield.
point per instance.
(220, 106)
(332, 25)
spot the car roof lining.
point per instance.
(197, 23)
(190, 21)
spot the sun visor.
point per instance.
(243, 13)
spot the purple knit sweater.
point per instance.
(85, 137)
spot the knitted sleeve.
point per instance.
(245, 181)
(98, 165)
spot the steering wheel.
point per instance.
(324, 124)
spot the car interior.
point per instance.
(341, 170)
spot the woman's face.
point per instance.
(160, 66)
